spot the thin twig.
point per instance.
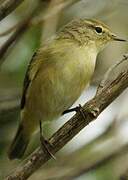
(54, 11)
(9, 30)
(39, 20)
(9, 106)
(108, 73)
(23, 26)
(8, 6)
(91, 109)
(50, 25)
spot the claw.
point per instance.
(81, 111)
(45, 144)
(76, 109)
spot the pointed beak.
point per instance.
(115, 38)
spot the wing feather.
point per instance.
(27, 81)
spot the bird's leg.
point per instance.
(78, 109)
(45, 143)
(71, 110)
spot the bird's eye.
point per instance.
(98, 29)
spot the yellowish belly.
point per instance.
(59, 83)
(62, 87)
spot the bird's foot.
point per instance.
(77, 109)
(45, 144)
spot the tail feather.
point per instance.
(19, 144)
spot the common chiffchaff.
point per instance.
(57, 75)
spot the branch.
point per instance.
(100, 152)
(91, 110)
(39, 20)
(92, 156)
(83, 158)
(21, 28)
(8, 6)
(109, 74)
(9, 106)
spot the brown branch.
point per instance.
(39, 20)
(91, 160)
(50, 24)
(21, 28)
(83, 159)
(92, 156)
(108, 75)
(8, 6)
(91, 110)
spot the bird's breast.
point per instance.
(68, 77)
(60, 80)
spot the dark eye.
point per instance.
(98, 29)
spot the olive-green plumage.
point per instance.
(57, 75)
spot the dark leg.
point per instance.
(45, 143)
(78, 109)
(71, 110)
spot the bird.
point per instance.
(59, 71)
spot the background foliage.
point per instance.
(12, 72)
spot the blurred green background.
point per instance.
(12, 72)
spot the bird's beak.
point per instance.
(115, 38)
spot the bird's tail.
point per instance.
(19, 144)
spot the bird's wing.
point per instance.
(33, 69)
(27, 80)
